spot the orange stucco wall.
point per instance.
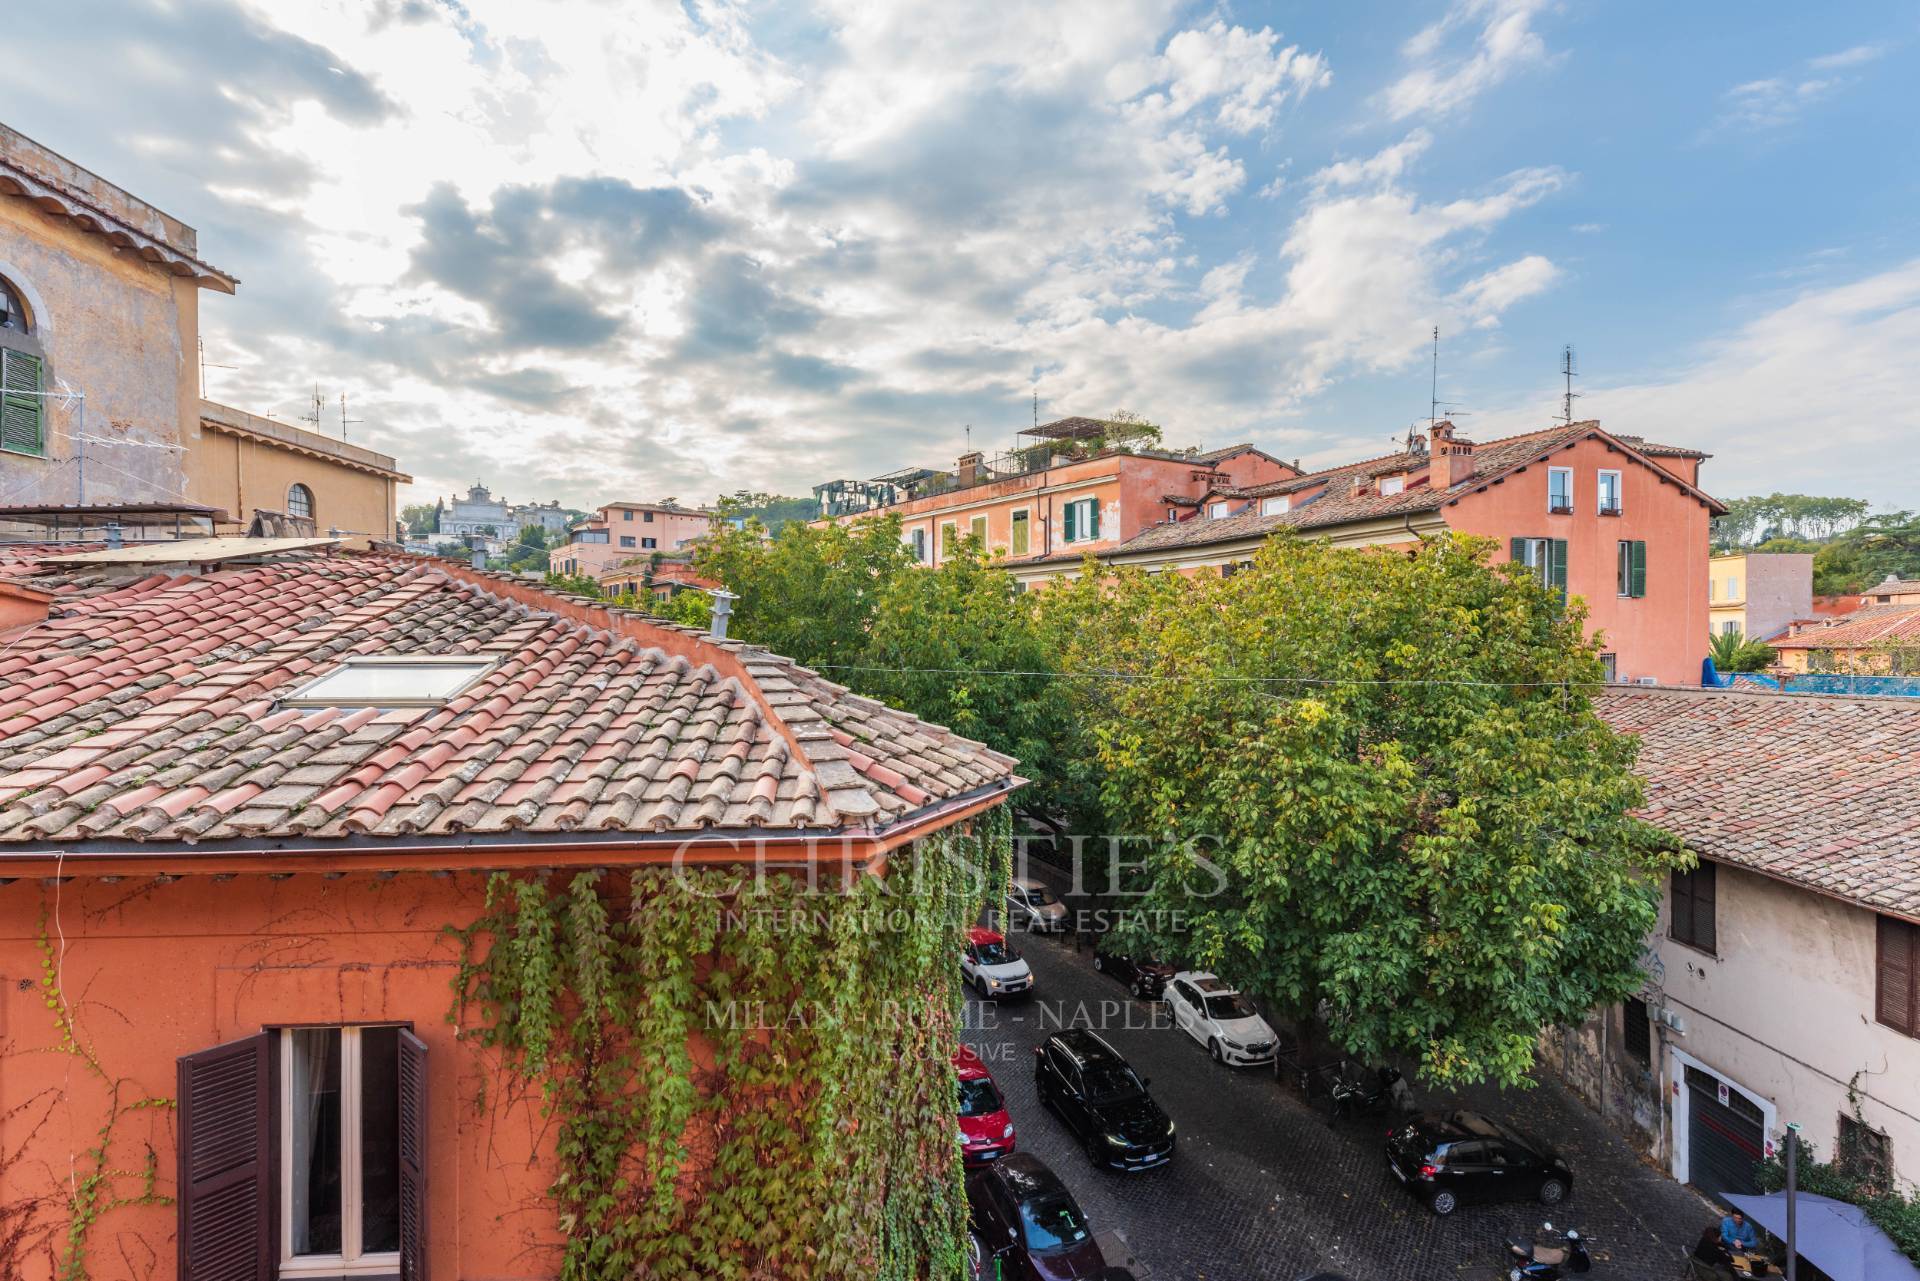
(1662, 634)
(1130, 489)
(157, 971)
(670, 530)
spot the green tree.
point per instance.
(1372, 789)
(775, 511)
(1732, 652)
(419, 518)
(534, 536)
(578, 584)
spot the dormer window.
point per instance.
(1392, 484)
(1217, 510)
(1275, 505)
(392, 680)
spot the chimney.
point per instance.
(722, 611)
(1451, 457)
(970, 468)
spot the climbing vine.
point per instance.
(99, 1185)
(751, 1075)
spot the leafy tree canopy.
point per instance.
(1732, 652)
(533, 536)
(1753, 520)
(1436, 869)
(419, 518)
(775, 511)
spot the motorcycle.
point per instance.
(1367, 1093)
(1562, 1254)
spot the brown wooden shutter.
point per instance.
(1894, 997)
(413, 1157)
(226, 1162)
(1706, 932)
(1680, 924)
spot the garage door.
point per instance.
(1724, 1139)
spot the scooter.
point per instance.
(1533, 1261)
(1367, 1093)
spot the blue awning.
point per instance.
(1834, 1236)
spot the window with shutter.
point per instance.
(1557, 567)
(1072, 526)
(977, 527)
(1692, 917)
(1021, 534)
(413, 1157)
(226, 1194)
(1896, 1001)
(22, 408)
(1636, 1031)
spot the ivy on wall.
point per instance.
(751, 1075)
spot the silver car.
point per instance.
(1032, 905)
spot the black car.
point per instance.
(1091, 1088)
(1144, 977)
(1023, 1215)
(1458, 1158)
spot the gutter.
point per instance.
(773, 848)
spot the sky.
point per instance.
(590, 250)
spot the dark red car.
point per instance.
(986, 1131)
(1145, 978)
(1023, 1215)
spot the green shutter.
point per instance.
(1073, 510)
(1093, 525)
(21, 409)
(1637, 559)
(1557, 576)
(1517, 549)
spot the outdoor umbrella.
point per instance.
(1835, 1237)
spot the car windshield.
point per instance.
(1052, 1223)
(1107, 1082)
(1041, 895)
(995, 953)
(978, 1097)
(1230, 1005)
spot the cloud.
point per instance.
(1760, 106)
(1447, 79)
(1810, 388)
(1242, 71)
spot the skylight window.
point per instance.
(395, 680)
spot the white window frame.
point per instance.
(1600, 494)
(1553, 472)
(1276, 505)
(943, 545)
(1215, 511)
(313, 504)
(1084, 522)
(349, 1262)
(1392, 485)
(1013, 516)
(978, 525)
(305, 697)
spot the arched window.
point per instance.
(23, 410)
(300, 501)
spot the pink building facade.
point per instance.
(621, 532)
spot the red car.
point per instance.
(986, 1131)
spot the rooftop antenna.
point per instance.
(319, 407)
(1433, 405)
(1571, 371)
(344, 420)
(204, 366)
(1036, 406)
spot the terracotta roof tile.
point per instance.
(1823, 791)
(151, 712)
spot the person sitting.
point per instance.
(1711, 1258)
(1737, 1234)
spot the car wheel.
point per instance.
(1095, 1153)
(1443, 1204)
(1099, 965)
(1213, 1048)
(1139, 990)
(1552, 1192)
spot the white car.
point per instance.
(1209, 1010)
(1032, 905)
(990, 966)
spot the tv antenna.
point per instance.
(1036, 406)
(204, 366)
(319, 407)
(1433, 406)
(1570, 371)
(344, 420)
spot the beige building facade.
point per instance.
(1756, 594)
(100, 378)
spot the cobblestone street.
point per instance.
(1265, 1187)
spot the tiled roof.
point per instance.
(154, 713)
(1863, 629)
(1653, 449)
(1820, 791)
(1217, 455)
(1339, 505)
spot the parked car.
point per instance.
(1032, 905)
(1022, 1214)
(1106, 1105)
(1458, 1158)
(991, 966)
(1212, 1012)
(1145, 978)
(986, 1130)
